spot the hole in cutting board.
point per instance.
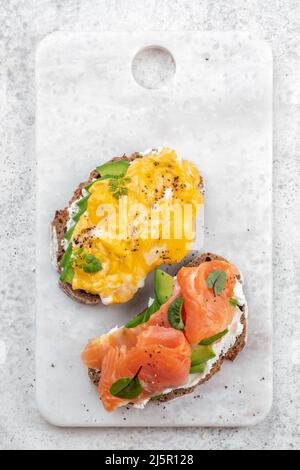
(153, 67)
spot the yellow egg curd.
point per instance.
(136, 223)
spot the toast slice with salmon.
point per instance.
(188, 351)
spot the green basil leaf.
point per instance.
(91, 264)
(234, 302)
(174, 314)
(154, 307)
(127, 387)
(117, 186)
(137, 320)
(144, 316)
(217, 281)
(213, 339)
(150, 311)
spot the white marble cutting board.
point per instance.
(217, 112)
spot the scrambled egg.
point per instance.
(129, 227)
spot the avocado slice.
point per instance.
(113, 169)
(83, 202)
(201, 354)
(198, 369)
(67, 256)
(67, 266)
(78, 215)
(69, 233)
(163, 286)
(67, 274)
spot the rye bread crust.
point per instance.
(58, 229)
(95, 374)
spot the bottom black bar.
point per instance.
(154, 459)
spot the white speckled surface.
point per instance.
(217, 112)
(23, 25)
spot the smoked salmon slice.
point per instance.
(94, 353)
(206, 314)
(163, 357)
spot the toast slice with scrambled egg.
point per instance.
(95, 266)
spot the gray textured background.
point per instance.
(23, 24)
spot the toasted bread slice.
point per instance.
(230, 355)
(59, 228)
